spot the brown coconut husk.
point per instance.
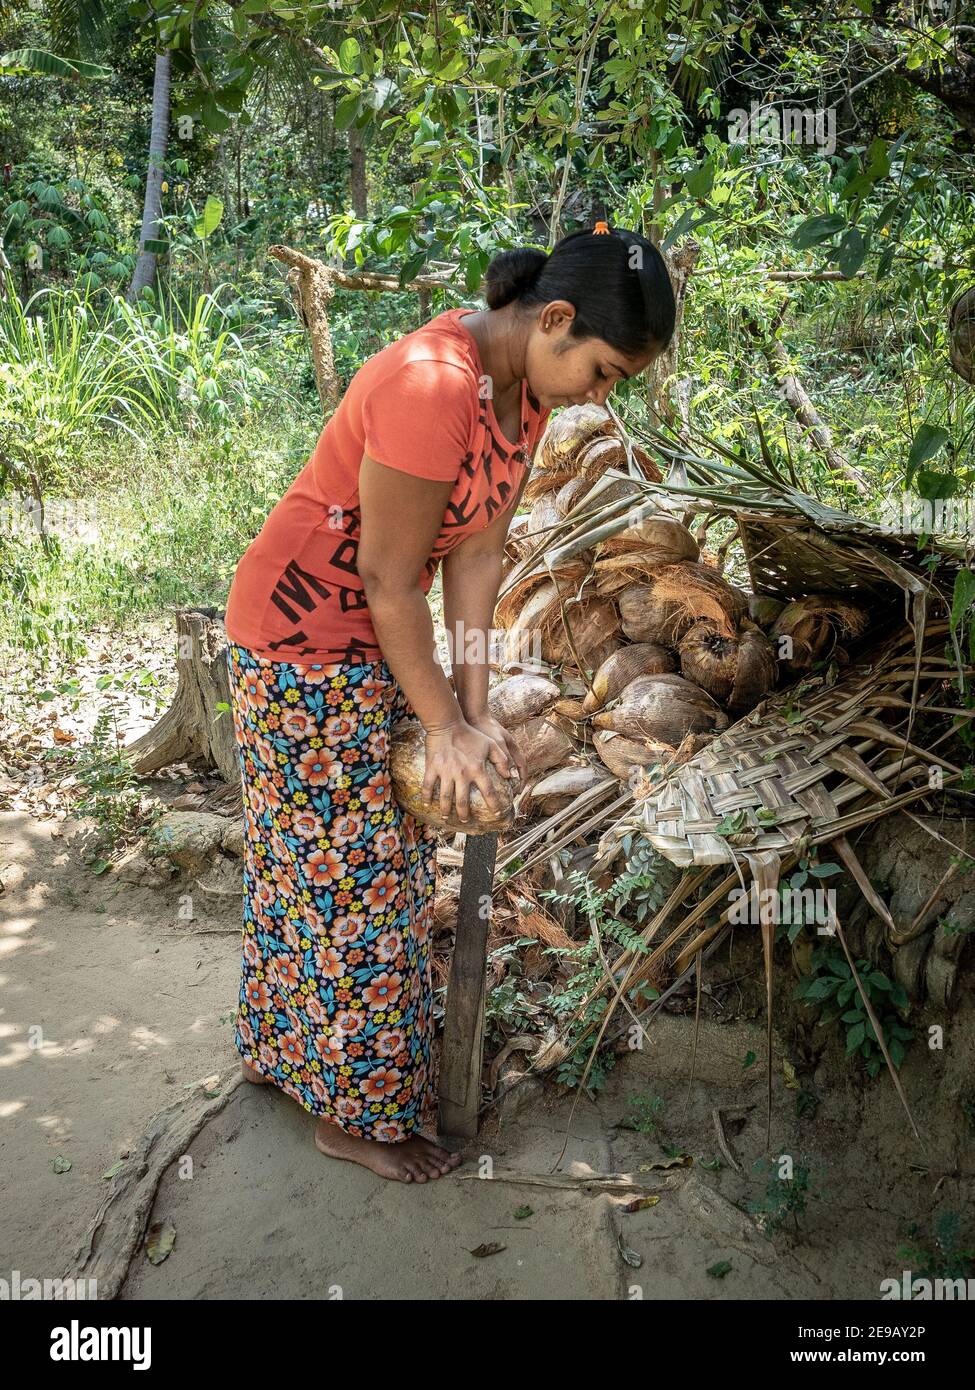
(594, 627)
(544, 744)
(570, 493)
(519, 698)
(757, 669)
(568, 431)
(543, 516)
(594, 458)
(543, 482)
(680, 596)
(815, 625)
(616, 672)
(621, 754)
(663, 709)
(556, 789)
(569, 576)
(407, 765)
(657, 538)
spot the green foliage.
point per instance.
(948, 1258)
(644, 1114)
(831, 986)
(639, 891)
(787, 1190)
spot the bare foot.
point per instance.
(252, 1075)
(414, 1160)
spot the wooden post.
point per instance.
(462, 1056)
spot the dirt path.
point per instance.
(134, 1007)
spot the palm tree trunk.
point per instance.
(145, 266)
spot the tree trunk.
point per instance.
(680, 264)
(145, 267)
(194, 730)
(358, 187)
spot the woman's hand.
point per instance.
(490, 726)
(457, 756)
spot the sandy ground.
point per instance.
(110, 1008)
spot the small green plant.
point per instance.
(640, 890)
(947, 1260)
(787, 1188)
(109, 792)
(643, 1114)
(507, 1009)
(831, 986)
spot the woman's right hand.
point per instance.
(457, 756)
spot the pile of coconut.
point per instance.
(634, 652)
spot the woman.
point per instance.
(332, 642)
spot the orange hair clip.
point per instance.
(601, 229)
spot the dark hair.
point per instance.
(617, 280)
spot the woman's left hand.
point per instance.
(490, 726)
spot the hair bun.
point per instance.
(510, 275)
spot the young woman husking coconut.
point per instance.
(332, 644)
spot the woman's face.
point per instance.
(563, 370)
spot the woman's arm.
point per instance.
(471, 580)
(401, 515)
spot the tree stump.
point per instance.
(195, 730)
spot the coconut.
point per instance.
(568, 576)
(544, 744)
(521, 642)
(764, 610)
(662, 708)
(570, 493)
(544, 481)
(621, 754)
(757, 669)
(521, 697)
(738, 671)
(657, 538)
(709, 658)
(638, 659)
(556, 789)
(807, 630)
(569, 430)
(597, 455)
(407, 766)
(573, 710)
(594, 627)
(543, 516)
(680, 596)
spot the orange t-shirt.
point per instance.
(420, 405)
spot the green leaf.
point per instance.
(854, 1038)
(37, 62)
(346, 111)
(963, 596)
(928, 440)
(852, 252)
(60, 1164)
(349, 60)
(209, 221)
(719, 1270)
(817, 229)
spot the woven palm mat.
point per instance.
(825, 756)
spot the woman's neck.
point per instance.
(500, 345)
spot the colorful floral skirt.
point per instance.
(336, 996)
